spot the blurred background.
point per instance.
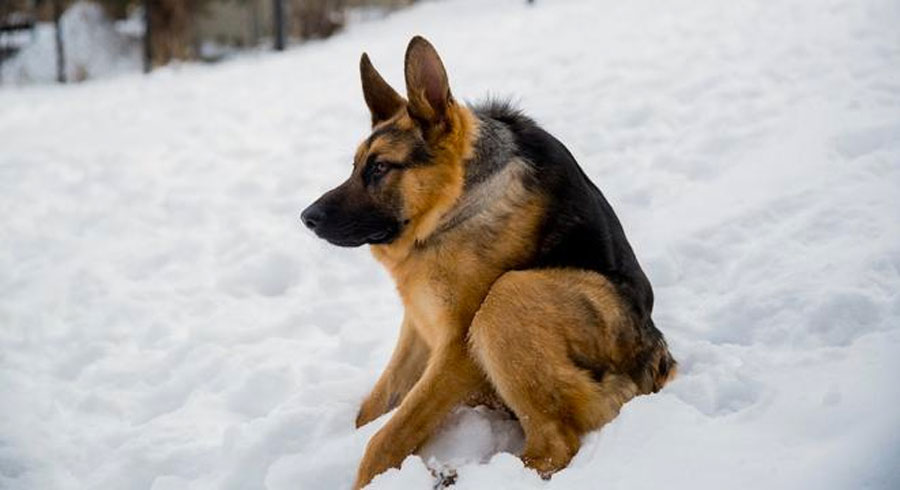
(75, 40)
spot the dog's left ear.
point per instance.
(383, 101)
(427, 87)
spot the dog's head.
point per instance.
(408, 172)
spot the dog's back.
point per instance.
(579, 229)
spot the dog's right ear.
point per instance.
(383, 101)
(426, 84)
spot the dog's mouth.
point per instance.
(379, 237)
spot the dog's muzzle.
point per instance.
(348, 231)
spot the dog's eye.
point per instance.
(376, 170)
(379, 169)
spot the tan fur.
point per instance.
(388, 150)
(525, 336)
(384, 146)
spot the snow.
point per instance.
(167, 324)
(93, 47)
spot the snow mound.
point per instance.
(166, 323)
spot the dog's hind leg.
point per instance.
(403, 370)
(551, 342)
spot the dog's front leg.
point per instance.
(450, 377)
(404, 369)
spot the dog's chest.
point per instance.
(441, 297)
(430, 314)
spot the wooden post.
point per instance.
(253, 7)
(148, 44)
(278, 18)
(60, 52)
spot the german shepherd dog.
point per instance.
(517, 280)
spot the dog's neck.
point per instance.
(488, 175)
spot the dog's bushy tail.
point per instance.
(654, 366)
(666, 367)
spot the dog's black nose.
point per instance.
(312, 216)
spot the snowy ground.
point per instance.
(165, 323)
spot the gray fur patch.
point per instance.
(494, 148)
(490, 202)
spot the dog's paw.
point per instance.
(375, 406)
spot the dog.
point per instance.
(517, 280)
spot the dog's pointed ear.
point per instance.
(383, 101)
(427, 87)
